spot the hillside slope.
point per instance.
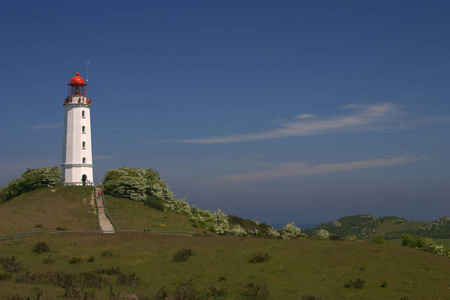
(367, 226)
(44, 209)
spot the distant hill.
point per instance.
(367, 226)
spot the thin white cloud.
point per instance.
(105, 157)
(305, 168)
(364, 117)
(47, 126)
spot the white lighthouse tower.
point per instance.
(77, 164)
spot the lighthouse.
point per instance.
(77, 167)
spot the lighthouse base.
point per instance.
(78, 174)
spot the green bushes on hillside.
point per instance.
(137, 184)
(30, 180)
(425, 244)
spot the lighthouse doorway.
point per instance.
(84, 179)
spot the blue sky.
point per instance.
(278, 111)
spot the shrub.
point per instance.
(48, 260)
(5, 276)
(425, 244)
(185, 290)
(157, 204)
(30, 180)
(91, 259)
(60, 228)
(161, 294)
(75, 260)
(290, 231)
(110, 271)
(323, 234)
(259, 258)
(357, 284)
(215, 291)
(182, 255)
(222, 278)
(255, 291)
(11, 264)
(273, 233)
(128, 279)
(92, 279)
(351, 237)
(41, 247)
(336, 237)
(39, 226)
(238, 230)
(384, 284)
(378, 239)
(27, 277)
(106, 253)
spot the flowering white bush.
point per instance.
(253, 232)
(273, 233)
(238, 230)
(290, 231)
(137, 184)
(323, 234)
(351, 237)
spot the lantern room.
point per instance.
(76, 86)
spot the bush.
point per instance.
(157, 204)
(238, 230)
(75, 260)
(128, 279)
(384, 284)
(323, 234)
(290, 231)
(30, 180)
(60, 228)
(41, 247)
(215, 291)
(425, 244)
(161, 294)
(259, 258)
(255, 291)
(378, 239)
(5, 276)
(91, 259)
(182, 255)
(357, 284)
(185, 290)
(48, 260)
(11, 264)
(106, 253)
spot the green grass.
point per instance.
(49, 208)
(132, 215)
(296, 268)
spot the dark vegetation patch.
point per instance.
(250, 226)
(357, 284)
(106, 253)
(259, 258)
(11, 265)
(182, 255)
(41, 247)
(255, 291)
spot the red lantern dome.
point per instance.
(77, 80)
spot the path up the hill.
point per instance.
(105, 224)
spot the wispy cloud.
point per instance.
(363, 117)
(306, 168)
(48, 125)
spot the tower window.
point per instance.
(84, 145)
(83, 129)
(84, 160)
(83, 114)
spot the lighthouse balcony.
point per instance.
(77, 100)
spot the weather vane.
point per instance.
(87, 71)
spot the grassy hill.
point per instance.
(49, 208)
(296, 267)
(130, 264)
(132, 215)
(366, 226)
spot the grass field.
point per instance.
(297, 267)
(131, 215)
(49, 208)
